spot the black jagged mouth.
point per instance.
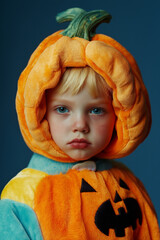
(106, 218)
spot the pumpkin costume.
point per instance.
(48, 199)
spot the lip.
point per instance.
(79, 143)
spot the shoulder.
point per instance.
(22, 187)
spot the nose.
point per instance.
(80, 124)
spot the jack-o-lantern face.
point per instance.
(106, 218)
(92, 205)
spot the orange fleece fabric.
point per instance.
(108, 58)
(87, 205)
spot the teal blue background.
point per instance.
(24, 24)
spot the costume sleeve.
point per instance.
(18, 221)
(22, 187)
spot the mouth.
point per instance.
(79, 143)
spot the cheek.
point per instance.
(104, 127)
(56, 128)
(99, 129)
(103, 131)
(58, 132)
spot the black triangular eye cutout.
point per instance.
(117, 198)
(123, 184)
(85, 187)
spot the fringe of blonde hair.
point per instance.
(75, 79)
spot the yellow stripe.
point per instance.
(22, 187)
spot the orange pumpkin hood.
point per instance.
(108, 58)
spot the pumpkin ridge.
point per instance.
(135, 69)
(48, 41)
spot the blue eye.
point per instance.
(97, 111)
(62, 110)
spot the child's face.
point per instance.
(80, 125)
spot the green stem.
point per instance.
(83, 24)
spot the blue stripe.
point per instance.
(18, 221)
(53, 167)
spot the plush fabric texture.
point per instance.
(95, 205)
(47, 165)
(22, 187)
(108, 58)
(18, 222)
(51, 167)
(106, 204)
(49, 200)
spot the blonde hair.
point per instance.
(75, 79)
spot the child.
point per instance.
(79, 103)
(80, 113)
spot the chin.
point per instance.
(77, 159)
(80, 157)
